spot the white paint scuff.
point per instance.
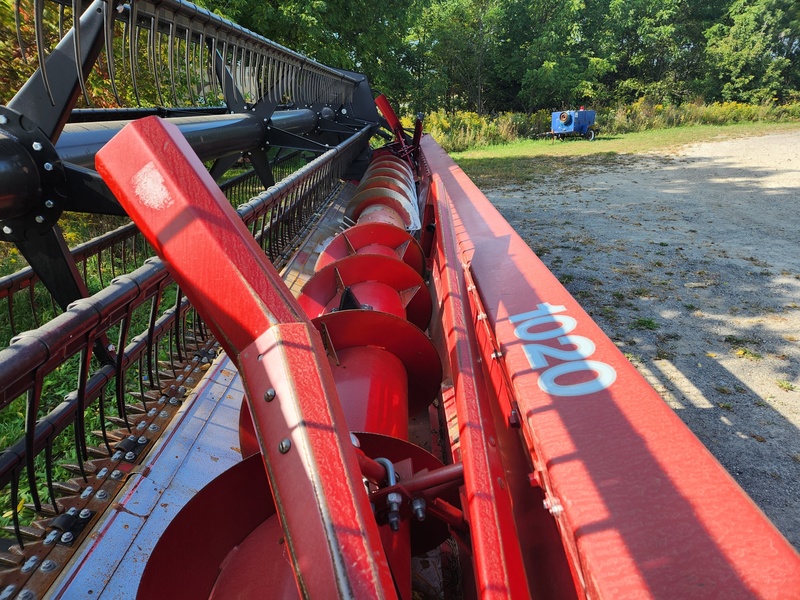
(148, 185)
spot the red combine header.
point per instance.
(364, 384)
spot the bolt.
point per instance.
(26, 595)
(30, 564)
(116, 474)
(117, 455)
(163, 414)
(102, 473)
(7, 229)
(142, 440)
(49, 203)
(37, 146)
(85, 513)
(51, 538)
(39, 219)
(3, 119)
(152, 412)
(101, 494)
(87, 492)
(554, 506)
(285, 445)
(48, 166)
(141, 425)
(111, 348)
(418, 508)
(269, 395)
(67, 537)
(130, 456)
(393, 500)
(48, 565)
(355, 441)
(153, 427)
(72, 511)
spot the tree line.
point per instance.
(523, 55)
(492, 56)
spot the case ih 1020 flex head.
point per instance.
(359, 382)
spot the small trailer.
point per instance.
(572, 123)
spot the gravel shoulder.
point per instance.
(690, 262)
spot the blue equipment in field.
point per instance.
(574, 123)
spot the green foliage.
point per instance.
(460, 131)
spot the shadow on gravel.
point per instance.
(692, 267)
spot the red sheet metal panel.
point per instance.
(644, 509)
(498, 564)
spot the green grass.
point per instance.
(644, 323)
(535, 160)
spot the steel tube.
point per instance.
(210, 136)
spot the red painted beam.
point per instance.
(331, 534)
(644, 509)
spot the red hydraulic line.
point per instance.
(331, 536)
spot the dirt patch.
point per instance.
(690, 262)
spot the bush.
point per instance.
(461, 131)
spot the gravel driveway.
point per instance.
(691, 263)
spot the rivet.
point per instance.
(285, 445)
(269, 395)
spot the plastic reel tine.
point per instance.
(18, 25)
(31, 412)
(152, 51)
(61, 9)
(171, 62)
(77, 11)
(102, 409)
(188, 42)
(133, 48)
(48, 469)
(213, 65)
(38, 22)
(108, 35)
(14, 507)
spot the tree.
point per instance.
(744, 54)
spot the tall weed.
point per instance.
(459, 131)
